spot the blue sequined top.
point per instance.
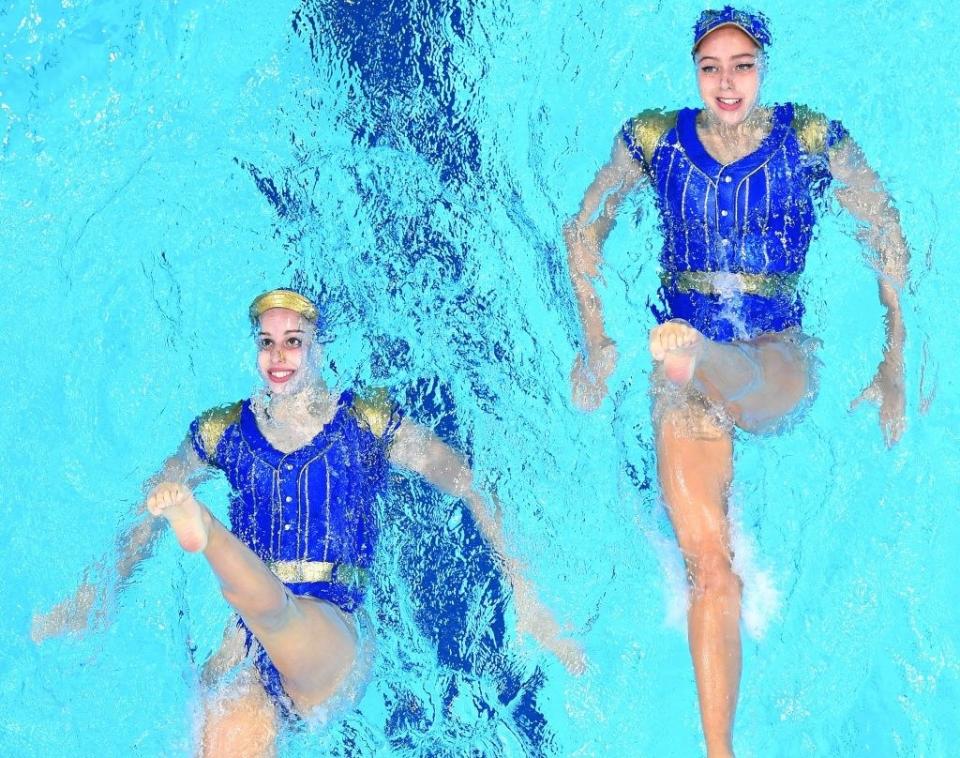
(754, 216)
(314, 504)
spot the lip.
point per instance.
(280, 375)
(738, 101)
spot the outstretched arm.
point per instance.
(863, 195)
(418, 449)
(584, 235)
(133, 545)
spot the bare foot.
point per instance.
(189, 520)
(677, 345)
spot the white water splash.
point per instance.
(761, 598)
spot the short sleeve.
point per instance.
(642, 133)
(208, 428)
(836, 133)
(816, 132)
(197, 439)
(377, 412)
(627, 132)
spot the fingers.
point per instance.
(893, 425)
(587, 389)
(870, 394)
(893, 421)
(70, 615)
(571, 655)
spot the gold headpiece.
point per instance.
(292, 301)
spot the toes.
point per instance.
(165, 495)
(674, 335)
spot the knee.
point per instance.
(271, 612)
(240, 723)
(711, 574)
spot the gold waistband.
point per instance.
(726, 284)
(292, 572)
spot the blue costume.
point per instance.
(753, 218)
(308, 514)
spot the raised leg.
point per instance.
(756, 382)
(311, 643)
(695, 473)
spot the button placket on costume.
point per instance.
(726, 199)
(288, 514)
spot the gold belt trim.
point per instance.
(292, 572)
(724, 283)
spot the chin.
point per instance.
(731, 118)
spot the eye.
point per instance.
(745, 66)
(264, 343)
(708, 69)
(294, 342)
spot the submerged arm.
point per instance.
(863, 195)
(133, 545)
(584, 235)
(418, 449)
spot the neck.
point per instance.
(291, 420)
(756, 123)
(311, 399)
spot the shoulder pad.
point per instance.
(213, 423)
(647, 128)
(374, 409)
(812, 129)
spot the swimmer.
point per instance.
(735, 182)
(305, 464)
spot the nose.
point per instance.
(279, 354)
(726, 80)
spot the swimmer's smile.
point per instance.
(280, 375)
(729, 103)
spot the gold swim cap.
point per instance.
(281, 298)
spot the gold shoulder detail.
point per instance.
(374, 410)
(811, 129)
(648, 127)
(214, 423)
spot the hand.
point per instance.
(887, 391)
(589, 378)
(536, 620)
(68, 617)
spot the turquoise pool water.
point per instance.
(163, 162)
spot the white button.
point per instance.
(725, 241)
(286, 527)
(290, 499)
(727, 179)
(723, 213)
(289, 467)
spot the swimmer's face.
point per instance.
(284, 340)
(728, 74)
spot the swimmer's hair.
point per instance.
(283, 298)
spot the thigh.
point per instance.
(239, 721)
(313, 652)
(695, 471)
(787, 364)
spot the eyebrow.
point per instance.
(288, 331)
(733, 57)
